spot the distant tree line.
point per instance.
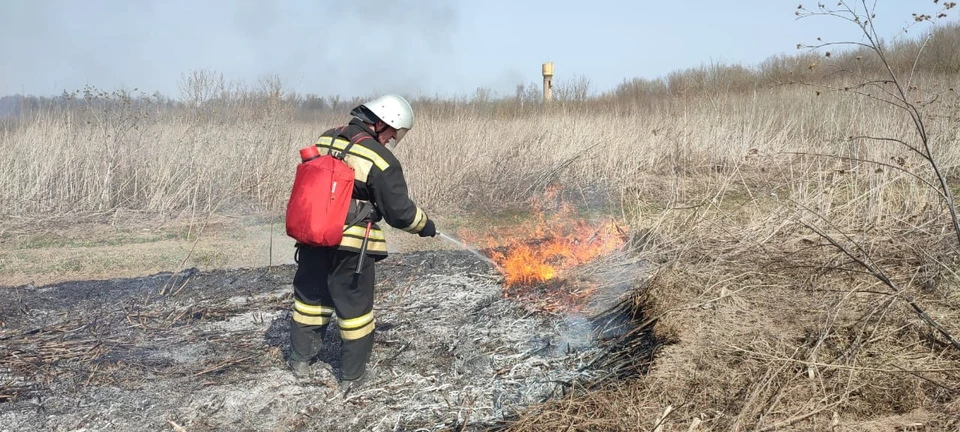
(204, 89)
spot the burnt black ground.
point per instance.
(204, 350)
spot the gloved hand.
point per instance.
(429, 229)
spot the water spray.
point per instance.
(468, 248)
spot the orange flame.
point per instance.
(535, 255)
(527, 261)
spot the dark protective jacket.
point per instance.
(378, 179)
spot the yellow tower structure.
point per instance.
(547, 81)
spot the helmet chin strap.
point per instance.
(377, 133)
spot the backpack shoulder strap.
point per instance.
(359, 137)
(334, 134)
(338, 133)
(346, 149)
(362, 136)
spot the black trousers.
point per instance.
(326, 283)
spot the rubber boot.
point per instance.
(305, 344)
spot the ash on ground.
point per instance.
(204, 351)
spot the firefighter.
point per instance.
(340, 280)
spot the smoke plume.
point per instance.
(327, 48)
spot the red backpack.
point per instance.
(321, 195)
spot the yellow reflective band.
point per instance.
(359, 231)
(358, 333)
(355, 323)
(356, 243)
(309, 319)
(357, 149)
(418, 222)
(311, 309)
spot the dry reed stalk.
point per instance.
(166, 163)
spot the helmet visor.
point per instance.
(400, 134)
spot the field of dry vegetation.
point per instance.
(729, 171)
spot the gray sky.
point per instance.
(427, 47)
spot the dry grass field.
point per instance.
(729, 171)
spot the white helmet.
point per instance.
(391, 109)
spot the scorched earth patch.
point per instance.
(204, 350)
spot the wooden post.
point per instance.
(547, 81)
